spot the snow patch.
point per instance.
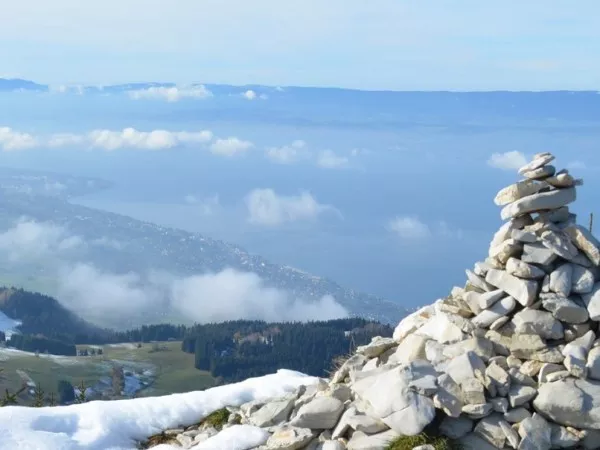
(120, 424)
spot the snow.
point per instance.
(120, 424)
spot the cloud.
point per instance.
(230, 146)
(208, 205)
(287, 154)
(110, 140)
(327, 159)
(267, 208)
(411, 228)
(231, 295)
(14, 140)
(131, 299)
(32, 241)
(507, 161)
(171, 94)
(408, 227)
(252, 95)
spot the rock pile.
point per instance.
(509, 361)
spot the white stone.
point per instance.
(592, 302)
(540, 160)
(570, 402)
(524, 291)
(541, 201)
(519, 395)
(496, 311)
(593, 363)
(366, 424)
(506, 229)
(322, 413)
(465, 366)
(524, 236)
(511, 434)
(393, 402)
(541, 173)
(517, 191)
(547, 369)
(561, 437)
(441, 329)
(517, 415)
(500, 379)
(506, 250)
(413, 322)
(561, 280)
(273, 413)
(585, 241)
(289, 438)
(561, 180)
(538, 253)
(536, 434)
(352, 364)
(522, 269)
(489, 298)
(564, 309)
(490, 430)
(376, 347)
(362, 441)
(583, 280)
(478, 282)
(542, 323)
(559, 243)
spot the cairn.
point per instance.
(509, 361)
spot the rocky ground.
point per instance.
(511, 360)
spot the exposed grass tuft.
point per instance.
(409, 442)
(217, 419)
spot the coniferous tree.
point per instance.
(38, 396)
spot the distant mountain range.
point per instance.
(427, 107)
(144, 247)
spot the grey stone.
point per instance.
(542, 323)
(583, 280)
(561, 437)
(519, 395)
(559, 243)
(511, 434)
(538, 253)
(478, 282)
(593, 363)
(289, 438)
(517, 415)
(524, 236)
(500, 309)
(592, 302)
(570, 402)
(524, 291)
(506, 250)
(561, 280)
(455, 428)
(506, 229)
(536, 434)
(273, 413)
(540, 173)
(564, 309)
(490, 430)
(473, 441)
(547, 369)
(322, 413)
(489, 298)
(362, 441)
(500, 378)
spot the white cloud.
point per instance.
(267, 208)
(507, 161)
(409, 227)
(207, 205)
(249, 95)
(231, 295)
(230, 146)
(30, 240)
(171, 94)
(327, 159)
(111, 140)
(14, 140)
(287, 154)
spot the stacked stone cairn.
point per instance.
(511, 360)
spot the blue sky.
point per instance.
(382, 44)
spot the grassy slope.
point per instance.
(174, 368)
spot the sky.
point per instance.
(379, 45)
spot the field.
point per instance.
(172, 370)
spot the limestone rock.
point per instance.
(490, 430)
(538, 253)
(289, 438)
(561, 280)
(593, 363)
(522, 269)
(506, 250)
(410, 349)
(540, 173)
(570, 402)
(537, 202)
(273, 413)
(496, 311)
(582, 280)
(542, 323)
(524, 291)
(362, 441)
(585, 241)
(559, 243)
(517, 191)
(376, 347)
(592, 302)
(506, 230)
(535, 433)
(564, 309)
(455, 428)
(540, 160)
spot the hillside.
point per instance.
(145, 248)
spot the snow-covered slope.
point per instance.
(118, 425)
